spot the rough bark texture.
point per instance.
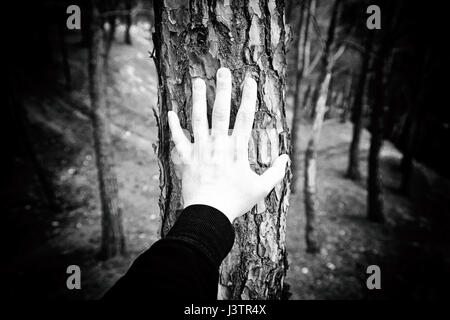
(310, 185)
(113, 240)
(353, 171)
(193, 39)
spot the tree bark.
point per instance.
(353, 170)
(113, 239)
(193, 39)
(310, 184)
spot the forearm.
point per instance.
(185, 263)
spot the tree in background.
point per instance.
(413, 119)
(328, 60)
(128, 21)
(194, 39)
(353, 171)
(375, 206)
(113, 239)
(302, 65)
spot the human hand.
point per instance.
(215, 169)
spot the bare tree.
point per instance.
(353, 171)
(381, 94)
(113, 239)
(307, 10)
(128, 21)
(194, 39)
(310, 184)
(412, 125)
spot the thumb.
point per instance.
(272, 176)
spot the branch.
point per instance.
(313, 63)
(318, 32)
(338, 54)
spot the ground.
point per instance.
(411, 248)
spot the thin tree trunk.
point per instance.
(353, 170)
(110, 36)
(412, 126)
(375, 205)
(191, 40)
(310, 184)
(345, 101)
(128, 21)
(64, 56)
(19, 112)
(300, 70)
(113, 239)
(375, 211)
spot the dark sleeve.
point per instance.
(183, 265)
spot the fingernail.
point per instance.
(251, 82)
(197, 83)
(223, 73)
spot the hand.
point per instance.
(215, 168)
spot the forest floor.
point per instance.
(411, 248)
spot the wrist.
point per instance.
(219, 207)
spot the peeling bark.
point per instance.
(193, 39)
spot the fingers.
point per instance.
(244, 119)
(221, 110)
(199, 112)
(272, 176)
(182, 144)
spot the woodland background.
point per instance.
(382, 198)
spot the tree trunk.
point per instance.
(194, 39)
(310, 185)
(300, 70)
(353, 171)
(64, 56)
(413, 124)
(375, 205)
(128, 21)
(110, 35)
(113, 239)
(18, 113)
(375, 193)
